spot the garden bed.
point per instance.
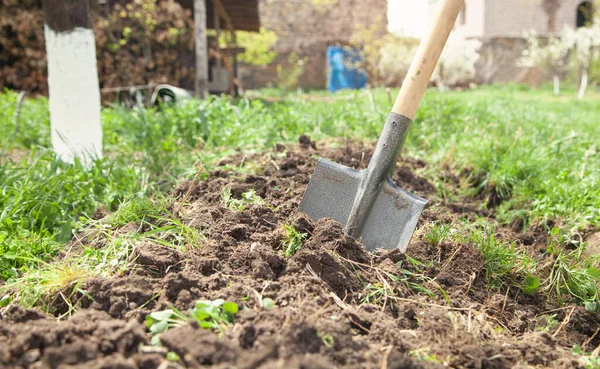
(327, 304)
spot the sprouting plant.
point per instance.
(215, 315)
(160, 321)
(437, 233)
(268, 303)
(548, 324)
(248, 198)
(292, 241)
(327, 339)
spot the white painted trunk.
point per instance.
(584, 83)
(556, 85)
(74, 94)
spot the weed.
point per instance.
(138, 210)
(572, 274)
(548, 324)
(248, 198)
(327, 339)
(505, 265)
(438, 232)
(214, 315)
(292, 241)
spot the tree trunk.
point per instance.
(584, 83)
(74, 92)
(201, 81)
(556, 85)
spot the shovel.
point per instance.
(368, 202)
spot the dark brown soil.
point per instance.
(327, 311)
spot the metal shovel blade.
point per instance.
(390, 223)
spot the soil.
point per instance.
(327, 313)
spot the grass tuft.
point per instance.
(292, 240)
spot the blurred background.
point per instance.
(308, 44)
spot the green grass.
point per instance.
(292, 240)
(531, 155)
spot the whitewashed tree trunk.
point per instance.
(556, 85)
(584, 83)
(201, 82)
(74, 94)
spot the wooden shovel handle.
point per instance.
(428, 54)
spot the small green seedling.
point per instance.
(248, 198)
(160, 321)
(292, 241)
(215, 315)
(327, 339)
(268, 303)
(547, 324)
(172, 356)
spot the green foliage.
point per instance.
(138, 210)
(213, 315)
(572, 273)
(589, 361)
(438, 232)
(505, 265)
(258, 46)
(548, 324)
(268, 303)
(248, 198)
(292, 240)
(42, 198)
(327, 339)
(534, 155)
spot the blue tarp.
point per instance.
(342, 71)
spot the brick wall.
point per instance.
(308, 27)
(510, 17)
(500, 25)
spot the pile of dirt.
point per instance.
(336, 305)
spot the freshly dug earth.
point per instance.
(329, 311)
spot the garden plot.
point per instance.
(191, 252)
(280, 290)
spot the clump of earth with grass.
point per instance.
(186, 248)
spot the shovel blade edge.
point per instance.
(392, 220)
